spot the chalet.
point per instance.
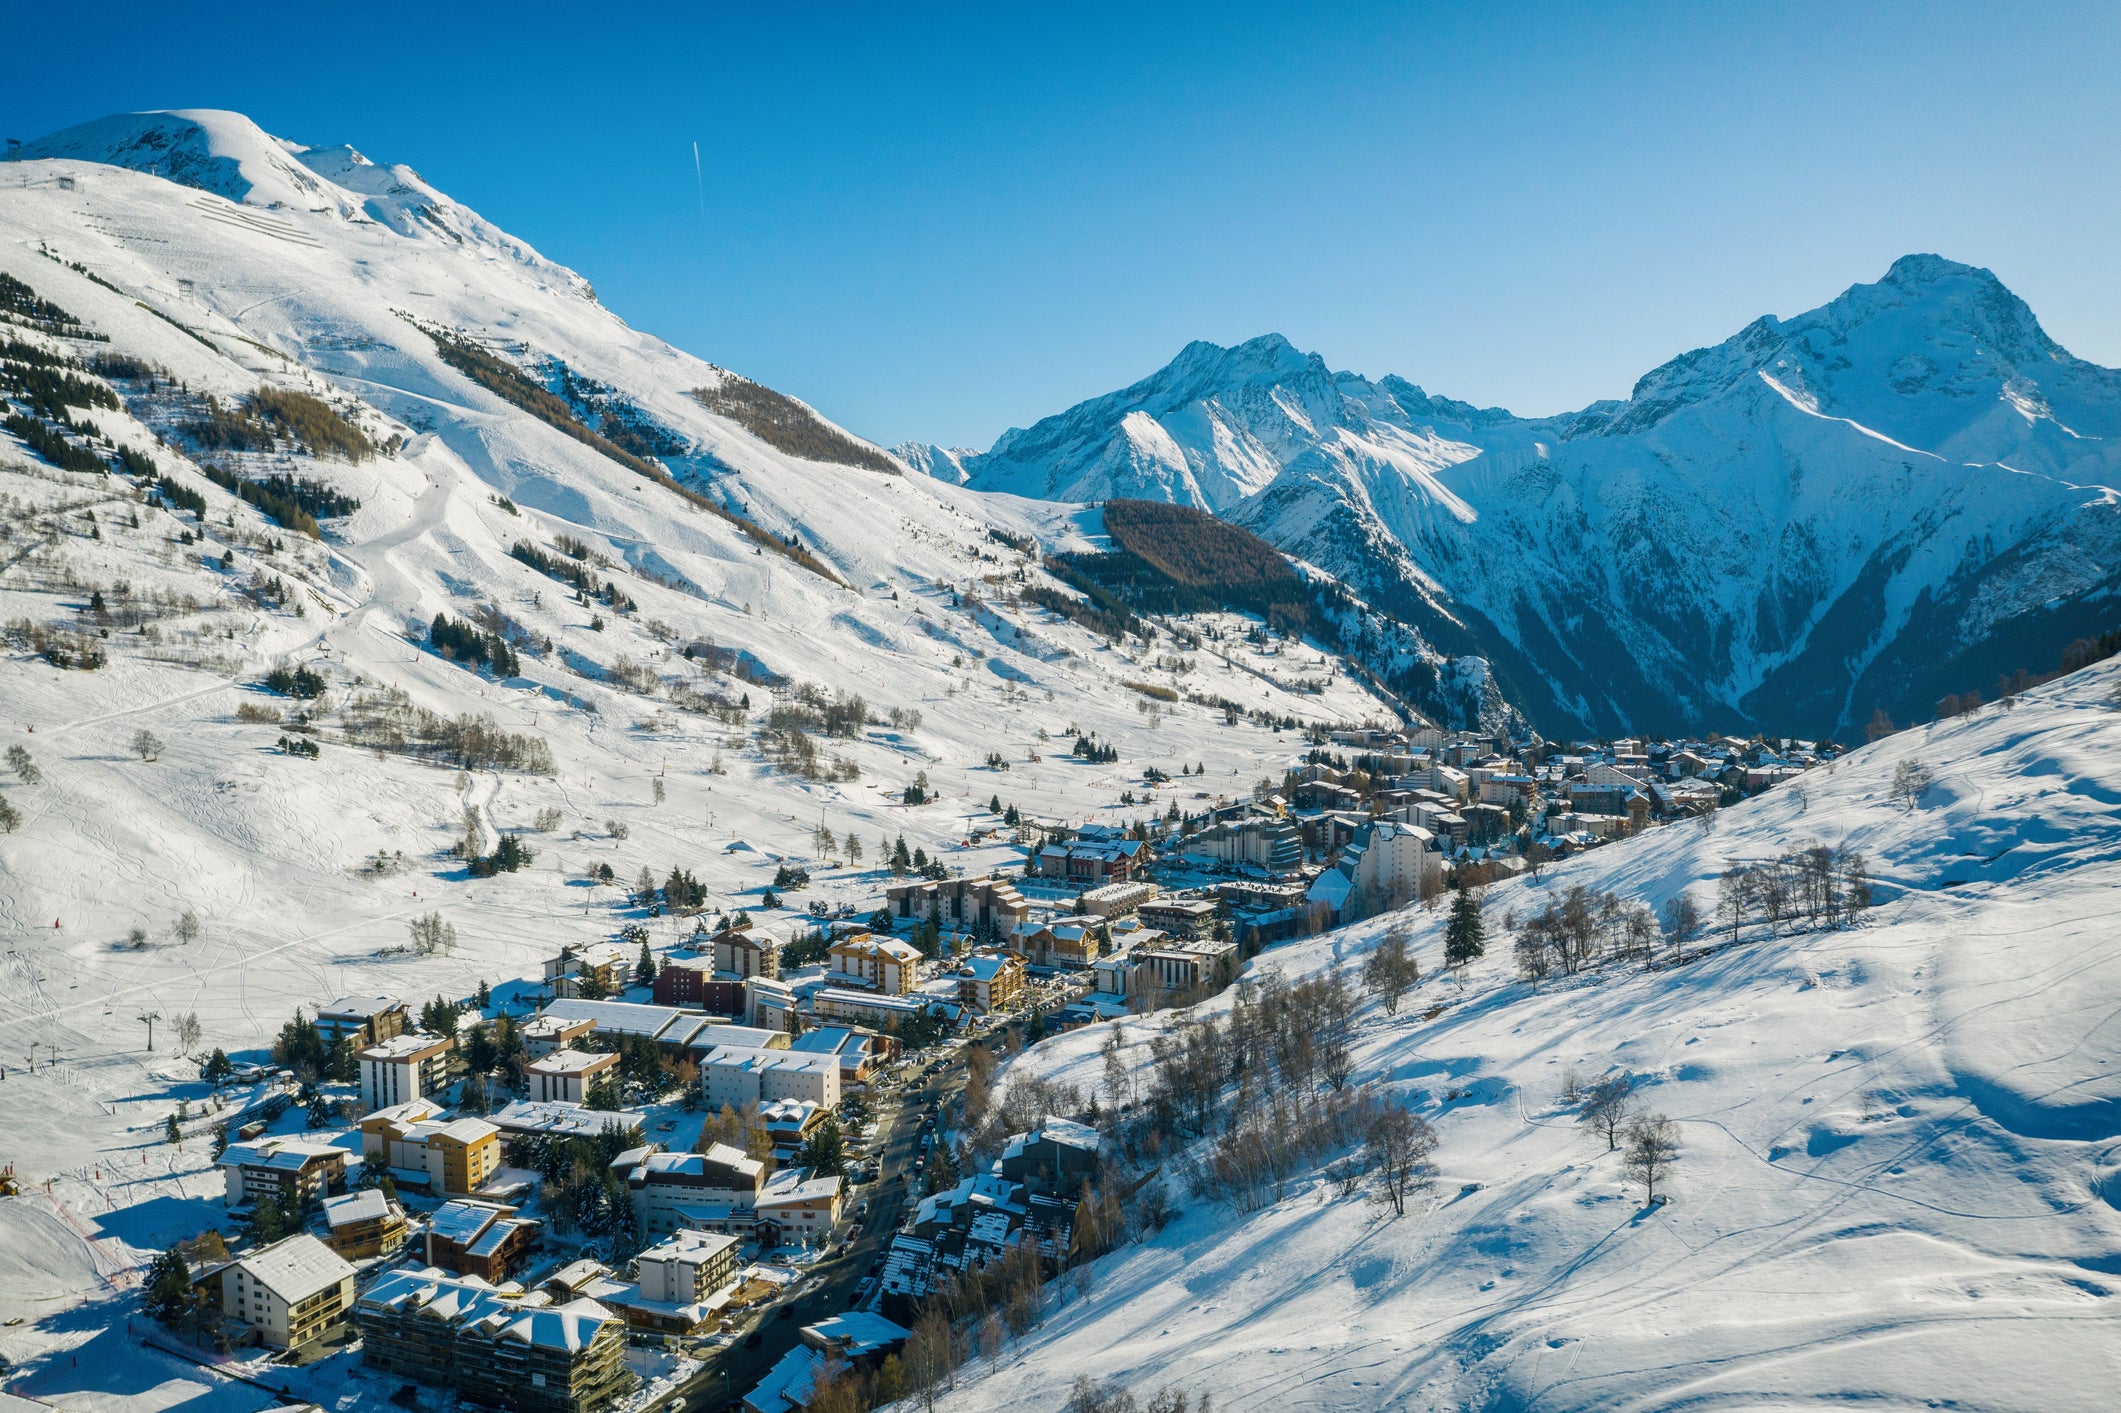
(525, 1353)
(1058, 1156)
(747, 951)
(365, 1020)
(359, 1225)
(408, 1066)
(790, 1122)
(852, 1340)
(483, 1239)
(1093, 863)
(591, 970)
(289, 1293)
(1067, 942)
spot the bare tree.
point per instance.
(931, 1355)
(19, 761)
(991, 1337)
(1399, 1145)
(189, 1032)
(1336, 1030)
(655, 789)
(1119, 1080)
(146, 744)
(1391, 970)
(1606, 1106)
(431, 935)
(1653, 1147)
(1911, 781)
(1682, 921)
(187, 928)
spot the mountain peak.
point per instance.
(1921, 269)
(207, 148)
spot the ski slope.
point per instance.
(1901, 1142)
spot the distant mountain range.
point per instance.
(1904, 493)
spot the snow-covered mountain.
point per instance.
(1901, 494)
(1899, 1143)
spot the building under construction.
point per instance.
(517, 1352)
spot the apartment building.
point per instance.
(283, 1168)
(288, 1293)
(529, 1354)
(736, 1076)
(565, 1076)
(408, 1066)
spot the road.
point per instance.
(831, 1288)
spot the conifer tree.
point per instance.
(1464, 936)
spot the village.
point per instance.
(621, 1179)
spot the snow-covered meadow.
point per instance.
(1901, 1141)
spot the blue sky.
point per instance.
(939, 223)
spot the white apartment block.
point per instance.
(737, 1077)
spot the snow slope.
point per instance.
(1901, 1142)
(1901, 494)
(230, 260)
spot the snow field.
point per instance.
(1900, 1141)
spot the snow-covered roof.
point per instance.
(412, 1045)
(794, 1187)
(787, 1061)
(367, 1205)
(855, 1333)
(557, 1116)
(467, 1300)
(1066, 1132)
(297, 1268)
(787, 1386)
(986, 966)
(572, 1062)
(461, 1222)
(358, 1007)
(282, 1154)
